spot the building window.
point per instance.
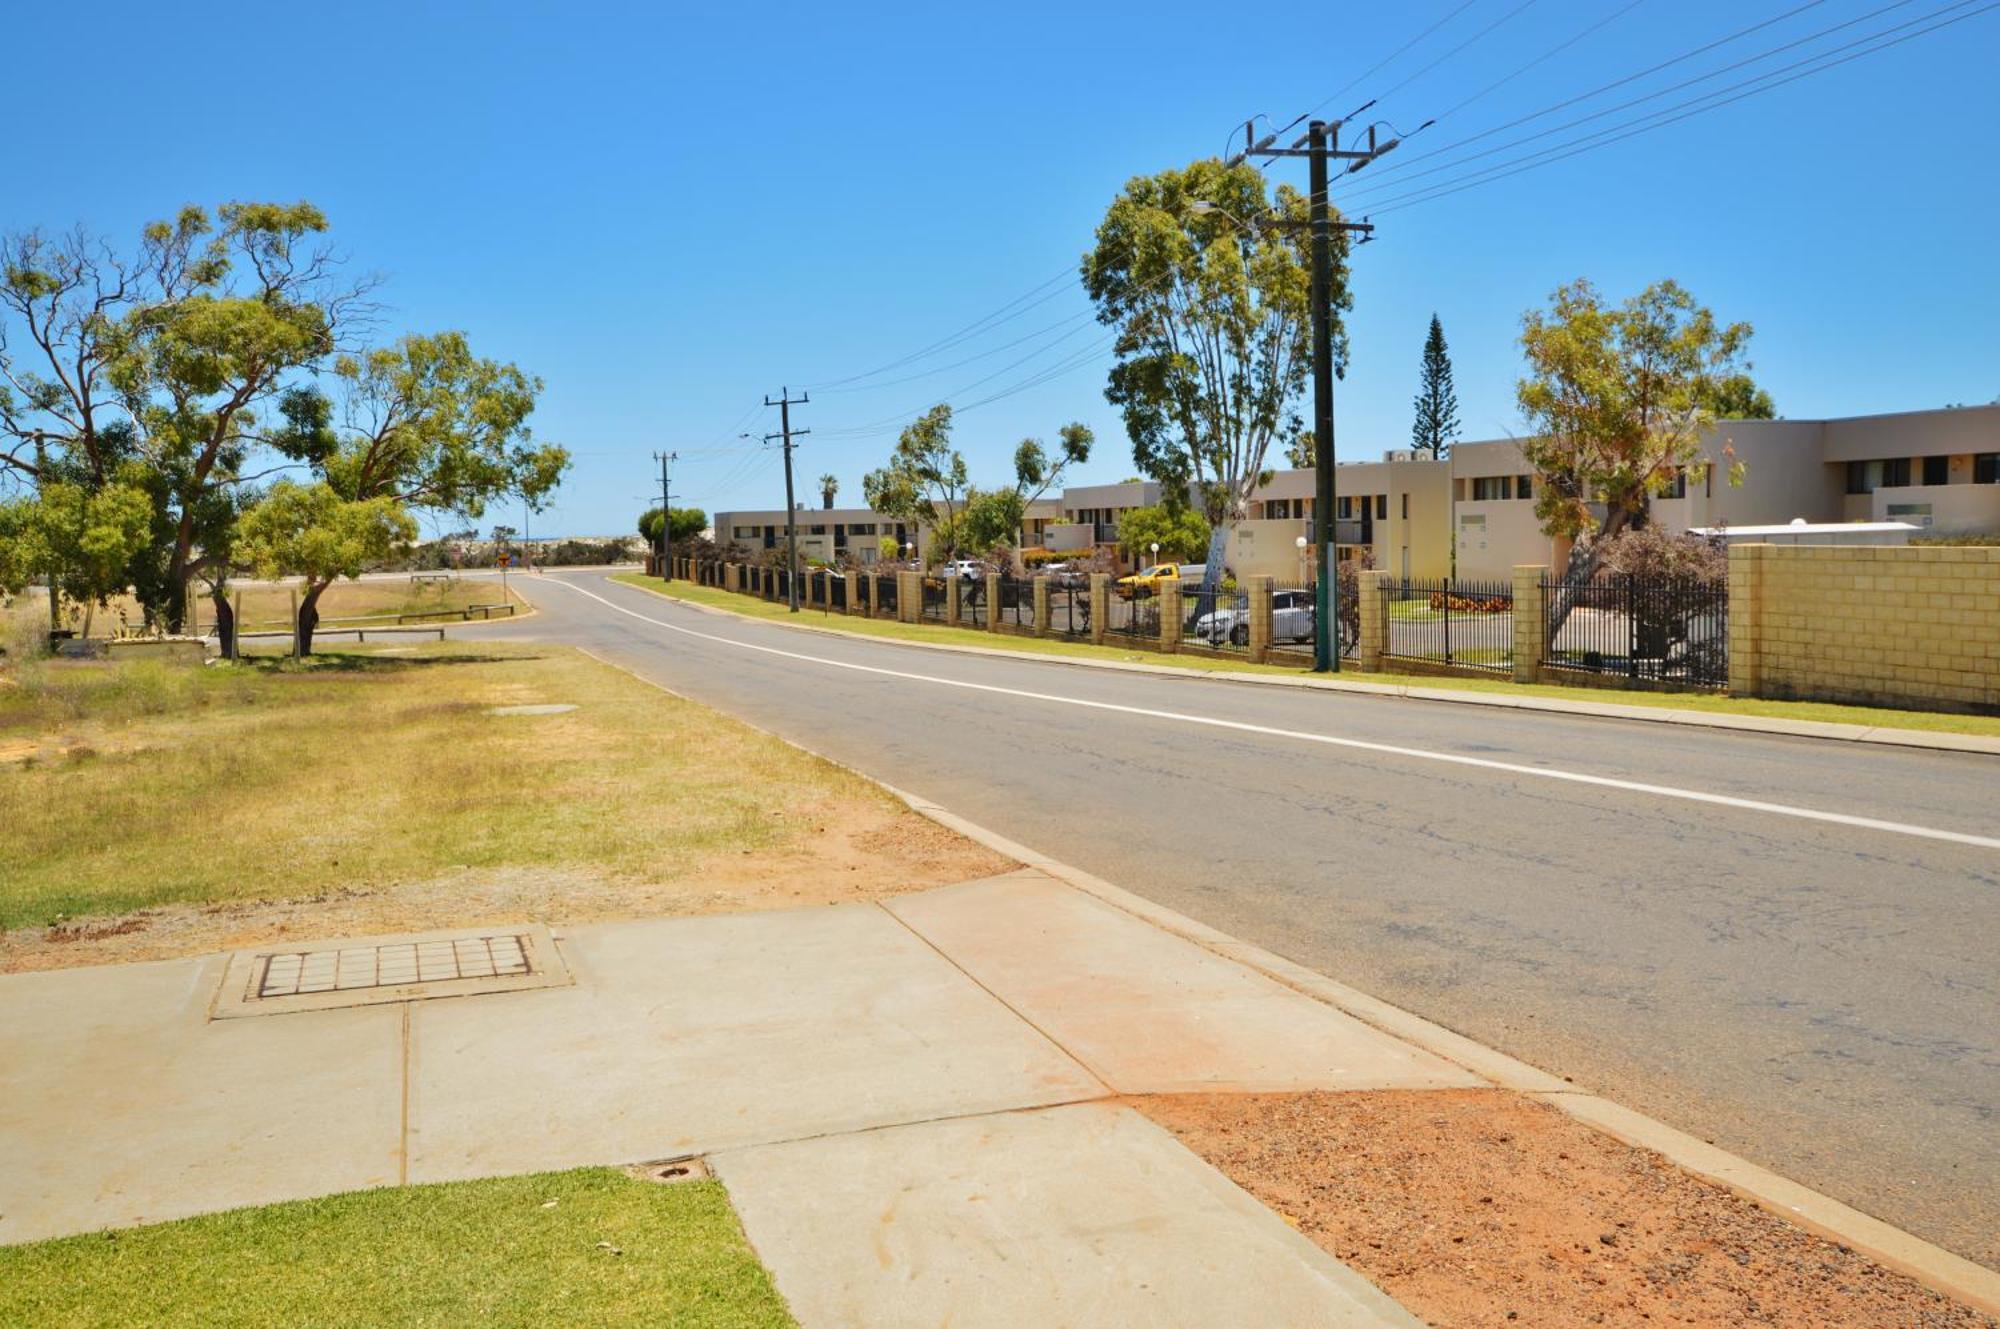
(1524, 486)
(1343, 508)
(1381, 507)
(744, 532)
(1986, 468)
(1406, 507)
(1865, 477)
(1487, 488)
(1937, 470)
(819, 530)
(1278, 509)
(1678, 486)
(1896, 472)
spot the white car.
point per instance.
(1292, 619)
(968, 568)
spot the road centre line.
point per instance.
(1330, 740)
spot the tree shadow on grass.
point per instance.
(342, 662)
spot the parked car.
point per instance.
(1149, 580)
(1292, 619)
(968, 568)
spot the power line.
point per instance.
(1374, 69)
(984, 323)
(1504, 18)
(1378, 186)
(970, 359)
(1544, 56)
(1407, 162)
(1767, 82)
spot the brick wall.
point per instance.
(1913, 626)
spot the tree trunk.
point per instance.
(225, 623)
(1585, 559)
(309, 616)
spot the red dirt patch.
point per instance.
(1482, 1207)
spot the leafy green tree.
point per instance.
(1437, 401)
(315, 532)
(1618, 398)
(87, 536)
(687, 524)
(1737, 397)
(1180, 531)
(166, 359)
(925, 481)
(421, 424)
(1213, 321)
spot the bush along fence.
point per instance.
(1877, 625)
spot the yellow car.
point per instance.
(1149, 580)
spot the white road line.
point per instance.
(1329, 740)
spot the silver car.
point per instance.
(1292, 619)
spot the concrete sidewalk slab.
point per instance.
(1087, 1215)
(688, 1035)
(121, 1103)
(1150, 1012)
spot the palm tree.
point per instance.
(828, 487)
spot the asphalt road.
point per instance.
(1820, 996)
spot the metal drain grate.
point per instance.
(371, 970)
(293, 973)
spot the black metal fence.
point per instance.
(1069, 607)
(837, 588)
(972, 606)
(1467, 624)
(1136, 615)
(934, 602)
(1655, 629)
(1295, 623)
(1217, 618)
(1017, 602)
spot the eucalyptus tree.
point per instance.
(1214, 327)
(1619, 399)
(154, 370)
(423, 424)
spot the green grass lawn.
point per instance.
(518, 1251)
(750, 606)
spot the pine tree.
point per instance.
(1437, 403)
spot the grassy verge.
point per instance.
(268, 605)
(1711, 703)
(591, 1247)
(141, 784)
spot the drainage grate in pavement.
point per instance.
(294, 972)
(370, 970)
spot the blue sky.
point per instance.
(667, 212)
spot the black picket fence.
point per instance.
(837, 592)
(885, 595)
(1651, 629)
(1017, 603)
(1451, 621)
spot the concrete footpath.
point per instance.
(913, 1103)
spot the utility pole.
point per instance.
(1319, 145)
(784, 404)
(666, 516)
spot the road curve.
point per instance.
(1783, 945)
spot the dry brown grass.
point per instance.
(362, 792)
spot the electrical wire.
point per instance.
(1660, 119)
(1404, 163)
(1503, 19)
(1544, 56)
(1378, 185)
(1376, 68)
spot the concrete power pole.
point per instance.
(784, 404)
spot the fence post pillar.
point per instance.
(1745, 640)
(992, 602)
(951, 601)
(1170, 616)
(909, 596)
(1042, 606)
(1100, 606)
(1531, 614)
(1371, 585)
(1260, 618)
(854, 605)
